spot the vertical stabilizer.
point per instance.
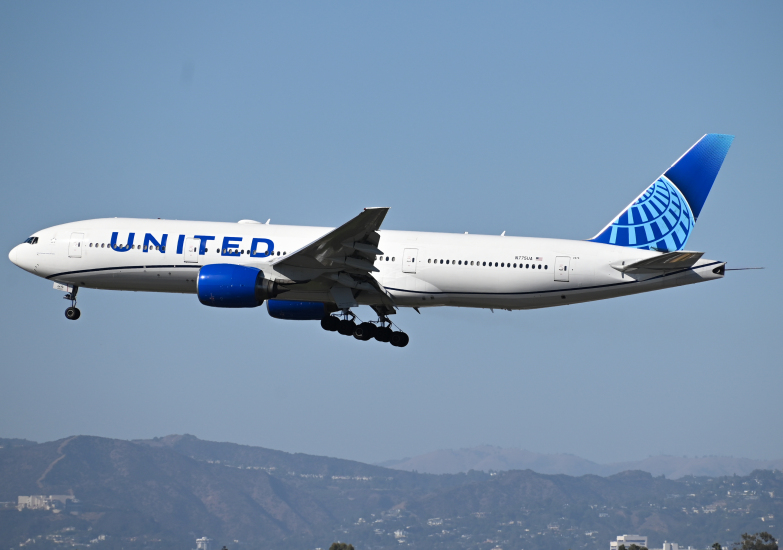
(663, 216)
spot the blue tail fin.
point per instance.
(662, 217)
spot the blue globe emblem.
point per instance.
(661, 219)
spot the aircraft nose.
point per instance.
(12, 255)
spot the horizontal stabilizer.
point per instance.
(670, 261)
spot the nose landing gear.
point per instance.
(72, 313)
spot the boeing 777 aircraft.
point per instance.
(320, 273)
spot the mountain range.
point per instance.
(166, 492)
(488, 458)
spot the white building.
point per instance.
(41, 502)
(203, 544)
(627, 541)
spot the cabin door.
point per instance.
(191, 250)
(409, 257)
(562, 267)
(75, 245)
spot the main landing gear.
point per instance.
(380, 330)
(72, 313)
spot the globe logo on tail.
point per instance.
(660, 219)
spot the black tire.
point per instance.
(330, 323)
(364, 332)
(346, 327)
(383, 334)
(405, 340)
(72, 313)
(397, 339)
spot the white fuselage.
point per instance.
(418, 269)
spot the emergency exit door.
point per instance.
(191, 250)
(409, 258)
(75, 245)
(562, 267)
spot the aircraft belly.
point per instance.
(175, 280)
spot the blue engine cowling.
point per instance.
(229, 285)
(298, 311)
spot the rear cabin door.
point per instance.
(191, 250)
(562, 267)
(75, 245)
(409, 257)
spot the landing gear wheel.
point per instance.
(346, 327)
(72, 313)
(364, 332)
(383, 334)
(330, 323)
(399, 339)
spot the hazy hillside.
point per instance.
(166, 492)
(488, 458)
(6, 443)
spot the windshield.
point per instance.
(32, 240)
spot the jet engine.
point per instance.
(299, 311)
(229, 285)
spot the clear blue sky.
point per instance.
(535, 119)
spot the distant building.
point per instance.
(203, 544)
(627, 541)
(42, 502)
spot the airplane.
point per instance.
(319, 273)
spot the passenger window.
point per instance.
(429, 261)
(392, 258)
(496, 264)
(539, 266)
(387, 258)
(502, 265)
(515, 265)
(527, 266)
(447, 262)
(485, 263)
(546, 267)
(441, 261)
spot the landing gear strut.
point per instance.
(72, 313)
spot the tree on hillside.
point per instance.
(341, 546)
(759, 541)
(716, 546)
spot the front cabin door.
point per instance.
(75, 245)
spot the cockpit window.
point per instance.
(32, 240)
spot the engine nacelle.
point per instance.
(298, 311)
(229, 285)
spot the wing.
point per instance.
(665, 262)
(353, 244)
(344, 256)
